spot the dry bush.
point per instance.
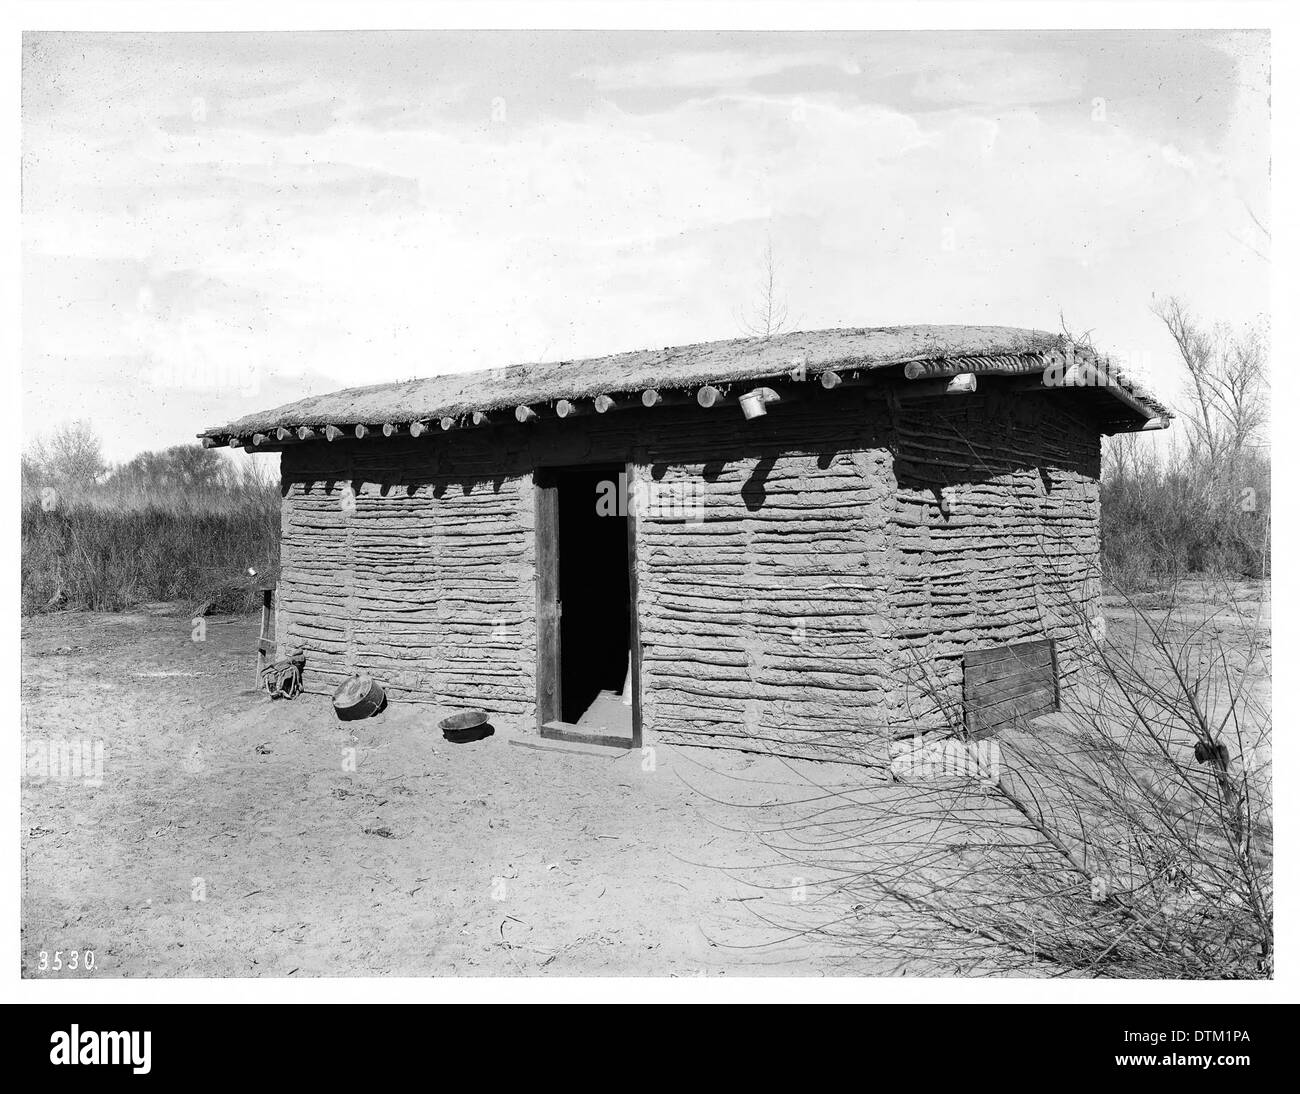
(1128, 836)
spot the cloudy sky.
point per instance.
(217, 223)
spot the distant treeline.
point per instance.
(1166, 517)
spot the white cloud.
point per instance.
(710, 68)
(355, 249)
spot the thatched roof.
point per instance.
(675, 367)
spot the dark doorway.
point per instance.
(585, 602)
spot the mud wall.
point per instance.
(806, 582)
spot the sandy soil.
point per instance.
(234, 836)
(226, 837)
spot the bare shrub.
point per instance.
(1128, 836)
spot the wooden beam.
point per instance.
(446, 423)
(831, 380)
(563, 408)
(602, 403)
(389, 429)
(306, 433)
(282, 433)
(259, 438)
(361, 431)
(235, 442)
(481, 417)
(209, 442)
(418, 429)
(650, 397)
(333, 432)
(707, 395)
(524, 413)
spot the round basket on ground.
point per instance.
(358, 697)
(466, 725)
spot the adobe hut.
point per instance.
(802, 545)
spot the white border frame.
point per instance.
(1279, 18)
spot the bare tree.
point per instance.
(769, 317)
(1227, 381)
(1202, 503)
(72, 456)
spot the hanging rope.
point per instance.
(283, 679)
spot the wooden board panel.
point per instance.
(1025, 653)
(1004, 684)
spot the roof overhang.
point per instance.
(903, 363)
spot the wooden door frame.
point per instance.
(546, 541)
(546, 528)
(634, 609)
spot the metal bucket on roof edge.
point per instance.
(753, 404)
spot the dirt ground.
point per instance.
(226, 837)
